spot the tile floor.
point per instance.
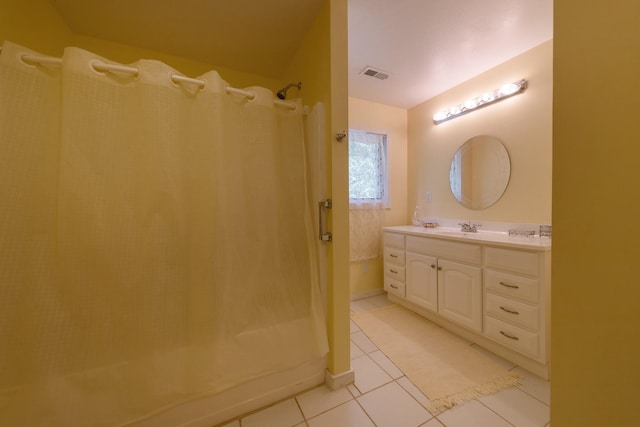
(383, 397)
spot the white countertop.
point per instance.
(490, 237)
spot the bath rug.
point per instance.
(446, 368)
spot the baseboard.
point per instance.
(336, 381)
(367, 294)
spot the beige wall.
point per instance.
(522, 123)
(368, 116)
(595, 351)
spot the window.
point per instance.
(367, 167)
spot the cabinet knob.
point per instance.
(439, 268)
(433, 266)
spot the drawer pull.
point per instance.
(393, 271)
(509, 286)
(393, 286)
(393, 255)
(511, 337)
(508, 311)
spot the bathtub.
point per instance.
(222, 407)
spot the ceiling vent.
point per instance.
(372, 72)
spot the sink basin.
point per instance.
(454, 233)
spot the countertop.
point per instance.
(482, 236)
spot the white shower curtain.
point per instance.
(155, 241)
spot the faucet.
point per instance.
(468, 228)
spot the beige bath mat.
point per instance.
(447, 369)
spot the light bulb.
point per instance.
(440, 115)
(509, 89)
(455, 110)
(487, 97)
(471, 103)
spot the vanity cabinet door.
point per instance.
(421, 285)
(460, 293)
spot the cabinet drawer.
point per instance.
(512, 336)
(445, 249)
(394, 287)
(394, 255)
(511, 285)
(394, 272)
(512, 260)
(394, 239)
(521, 314)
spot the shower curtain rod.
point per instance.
(100, 66)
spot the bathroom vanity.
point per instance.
(488, 287)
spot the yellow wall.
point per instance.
(595, 351)
(321, 64)
(37, 25)
(366, 276)
(33, 24)
(127, 54)
(339, 358)
(522, 123)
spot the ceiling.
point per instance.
(426, 46)
(429, 46)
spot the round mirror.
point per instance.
(480, 172)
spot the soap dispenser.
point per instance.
(415, 219)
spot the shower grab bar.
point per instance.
(100, 66)
(324, 236)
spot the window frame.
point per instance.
(383, 180)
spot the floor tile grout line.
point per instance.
(414, 398)
(306, 420)
(529, 394)
(491, 409)
(366, 353)
(381, 367)
(535, 398)
(364, 410)
(295, 398)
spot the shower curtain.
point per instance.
(155, 241)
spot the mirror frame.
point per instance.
(480, 172)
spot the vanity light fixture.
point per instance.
(483, 100)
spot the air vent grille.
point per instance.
(372, 72)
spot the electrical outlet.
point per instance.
(428, 196)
